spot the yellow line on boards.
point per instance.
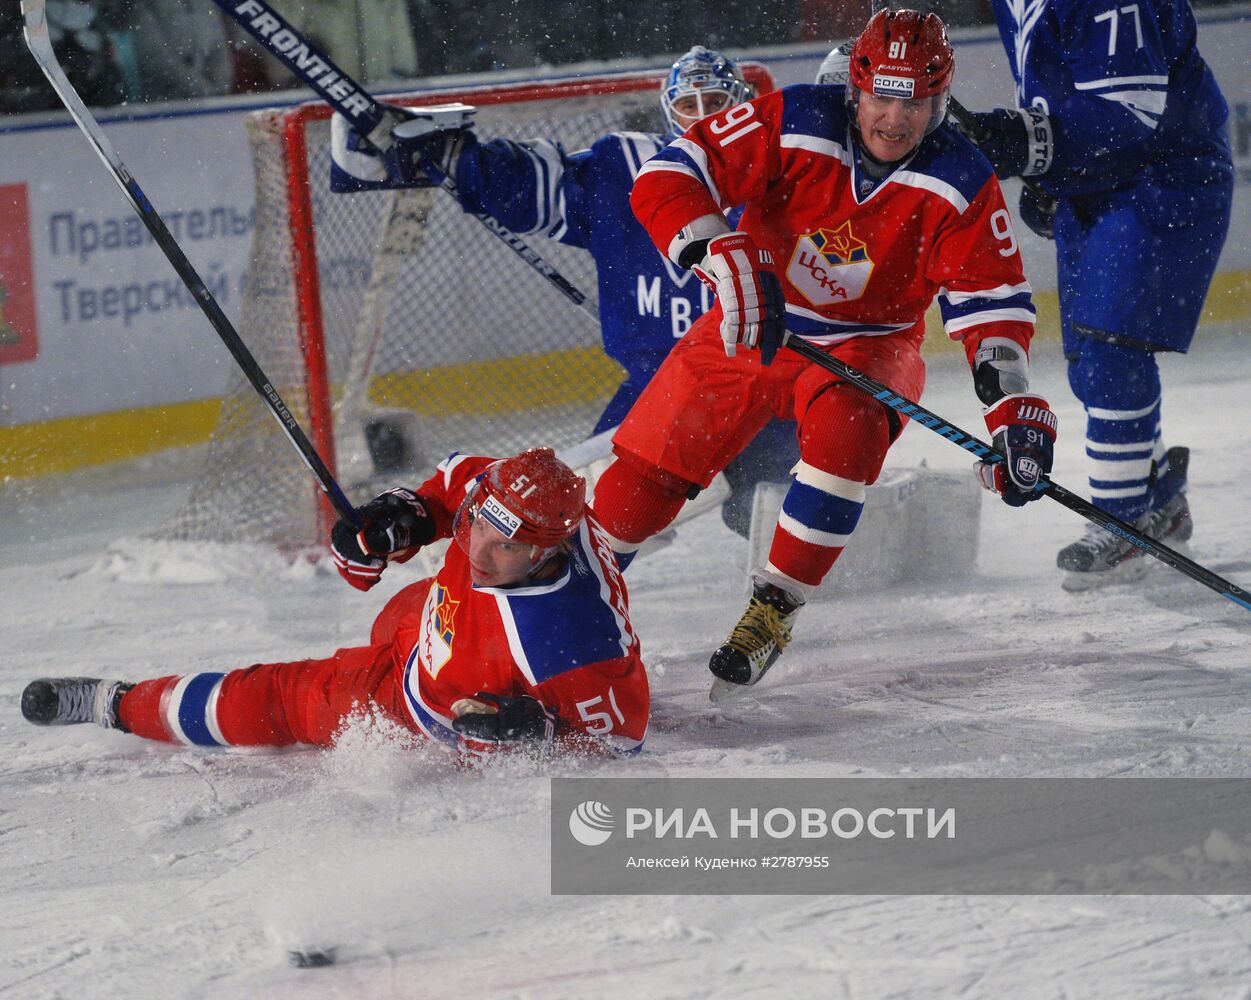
(499, 385)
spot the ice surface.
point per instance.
(136, 869)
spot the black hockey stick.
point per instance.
(1056, 492)
(40, 45)
(370, 118)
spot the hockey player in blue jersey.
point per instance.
(1123, 122)
(583, 199)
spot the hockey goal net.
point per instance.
(395, 311)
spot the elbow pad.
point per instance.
(1000, 368)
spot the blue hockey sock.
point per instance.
(1120, 388)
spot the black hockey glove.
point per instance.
(396, 523)
(1038, 210)
(516, 720)
(1017, 143)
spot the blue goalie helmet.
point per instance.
(700, 84)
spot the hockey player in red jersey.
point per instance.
(861, 207)
(523, 636)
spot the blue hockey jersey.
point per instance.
(583, 199)
(1124, 84)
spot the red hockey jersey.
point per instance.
(566, 641)
(855, 257)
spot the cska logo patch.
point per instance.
(438, 630)
(830, 266)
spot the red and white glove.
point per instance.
(1023, 428)
(394, 525)
(752, 307)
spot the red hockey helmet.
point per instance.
(903, 54)
(533, 498)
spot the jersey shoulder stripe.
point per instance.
(952, 167)
(814, 119)
(685, 157)
(459, 472)
(435, 725)
(572, 622)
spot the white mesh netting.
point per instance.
(429, 322)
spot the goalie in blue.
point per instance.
(583, 199)
(1122, 121)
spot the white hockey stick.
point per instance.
(401, 233)
(40, 45)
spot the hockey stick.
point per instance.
(401, 231)
(1056, 492)
(40, 45)
(369, 118)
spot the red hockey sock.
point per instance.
(843, 443)
(140, 710)
(634, 501)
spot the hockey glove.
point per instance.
(488, 720)
(1038, 210)
(393, 526)
(1017, 143)
(424, 138)
(1023, 429)
(753, 309)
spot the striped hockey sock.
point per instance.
(176, 709)
(1120, 388)
(818, 516)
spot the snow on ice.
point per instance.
(135, 869)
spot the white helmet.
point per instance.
(836, 67)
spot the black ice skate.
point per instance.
(1099, 557)
(1169, 519)
(67, 701)
(756, 641)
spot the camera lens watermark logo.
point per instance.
(591, 823)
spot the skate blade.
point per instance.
(1130, 571)
(725, 691)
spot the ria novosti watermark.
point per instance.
(756, 835)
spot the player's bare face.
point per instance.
(891, 127)
(495, 560)
(690, 108)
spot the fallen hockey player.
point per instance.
(522, 638)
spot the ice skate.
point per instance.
(1099, 557)
(1169, 519)
(755, 643)
(67, 701)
